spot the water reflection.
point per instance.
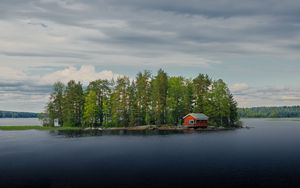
(267, 155)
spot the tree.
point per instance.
(120, 102)
(73, 104)
(143, 93)
(175, 101)
(159, 97)
(102, 88)
(91, 109)
(188, 103)
(221, 102)
(49, 116)
(54, 109)
(201, 86)
(267, 112)
(133, 106)
(147, 100)
(233, 117)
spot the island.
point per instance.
(124, 102)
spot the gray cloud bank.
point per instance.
(137, 34)
(265, 96)
(165, 27)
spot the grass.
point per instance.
(35, 127)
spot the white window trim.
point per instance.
(191, 122)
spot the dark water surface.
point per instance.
(267, 155)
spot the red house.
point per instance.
(195, 120)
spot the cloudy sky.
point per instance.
(252, 45)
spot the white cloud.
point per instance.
(238, 87)
(21, 91)
(8, 74)
(247, 96)
(290, 98)
(84, 74)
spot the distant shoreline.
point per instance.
(13, 114)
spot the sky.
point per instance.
(252, 45)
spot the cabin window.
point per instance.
(191, 122)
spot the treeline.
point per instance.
(270, 112)
(147, 99)
(10, 114)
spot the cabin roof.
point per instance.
(198, 116)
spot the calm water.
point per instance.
(20, 121)
(263, 156)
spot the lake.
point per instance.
(20, 121)
(267, 155)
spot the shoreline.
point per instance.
(146, 128)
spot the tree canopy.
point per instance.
(148, 99)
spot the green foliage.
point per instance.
(54, 108)
(175, 100)
(188, 103)
(73, 104)
(91, 109)
(35, 127)
(102, 88)
(201, 88)
(120, 102)
(270, 112)
(143, 97)
(233, 117)
(133, 105)
(146, 100)
(159, 97)
(219, 111)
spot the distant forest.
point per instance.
(10, 114)
(270, 112)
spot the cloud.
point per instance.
(11, 77)
(19, 90)
(84, 74)
(49, 40)
(8, 74)
(68, 4)
(191, 29)
(239, 87)
(291, 98)
(247, 96)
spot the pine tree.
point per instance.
(133, 108)
(91, 109)
(120, 102)
(201, 86)
(147, 100)
(103, 90)
(143, 93)
(221, 103)
(175, 101)
(73, 104)
(159, 97)
(188, 104)
(54, 109)
(233, 118)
